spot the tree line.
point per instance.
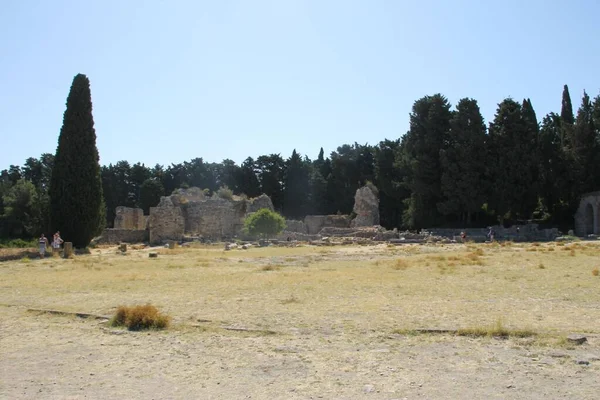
(449, 169)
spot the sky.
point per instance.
(231, 79)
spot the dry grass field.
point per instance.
(343, 322)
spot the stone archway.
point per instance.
(589, 219)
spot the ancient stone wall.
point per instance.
(166, 222)
(214, 218)
(262, 201)
(366, 207)
(587, 217)
(129, 218)
(314, 223)
(116, 236)
(191, 212)
(295, 226)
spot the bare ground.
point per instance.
(321, 323)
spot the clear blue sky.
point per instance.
(175, 80)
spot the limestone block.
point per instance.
(129, 218)
(366, 207)
(165, 223)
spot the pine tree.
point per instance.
(584, 149)
(76, 201)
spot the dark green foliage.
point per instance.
(420, 155)
(584, 150)
(510, 162)
(463, 161)
(566, 111)
(248, 181)
(150, 192)
(270, 172)
(77, 205)
(389, 180)
(265, 223)
(22, 211)
(296, 187)
(554, 182)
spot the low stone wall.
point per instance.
(314, 223)
(295, 226)
(116, 236)
(524, 232)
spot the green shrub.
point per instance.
(265, 223)
(139, 318)
(17, 243)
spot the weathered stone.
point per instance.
(257, 203)
(68, 250)
(295, 226)
(587, 217)
(129, 218)
(314, 223)
(115, 236)
(366, 207)
(166, 222)
(123, 247)
(153, 255)
(576, 338)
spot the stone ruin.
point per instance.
(587, 217)
(188, 212)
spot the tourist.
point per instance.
(43, 242)
(56, 243)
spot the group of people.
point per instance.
(56, 243)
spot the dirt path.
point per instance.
(60, 357)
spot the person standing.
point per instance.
(43, 243)
(56, 243)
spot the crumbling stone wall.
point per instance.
(166, 222)
(587, 217)
(314, 223)
(191, 212)
(214, 218)
(129, 218)
(115, 236)
(295, 226)
(366, 207)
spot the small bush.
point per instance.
(271, 267)
(139, 318)
(225, 193)
(400, 265)
(595, 272)
(17, 243)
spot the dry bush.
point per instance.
(595, 272)
(139, 318)
(400, 265)
(270, 267)
(541, 266)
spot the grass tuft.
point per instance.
(270, 267)
(400, 265)
(595, 272)
(496, 330)
(139, 318)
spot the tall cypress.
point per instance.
(76, 201)
(566, 112)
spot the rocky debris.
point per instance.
(576, 338)
(582, 362)
(368, 388)
(366, 207)
(153, 254)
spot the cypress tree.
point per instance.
(566, 112)
(76, 201)
(463, 180)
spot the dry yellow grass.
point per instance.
(375, 287)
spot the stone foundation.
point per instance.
(116, 236)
